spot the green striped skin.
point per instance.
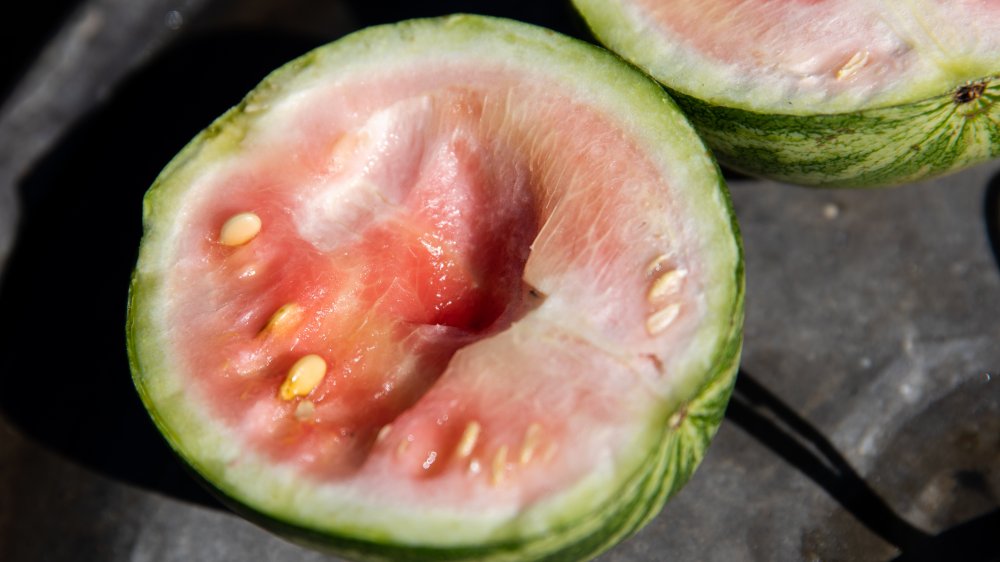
(685, 436)
(874, 147)
(914, 133)
(671, 445)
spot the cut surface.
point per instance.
(473, 289)
(804, 56)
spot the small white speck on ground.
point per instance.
(831, 211)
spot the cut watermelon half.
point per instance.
(452, 289)
(823, 92)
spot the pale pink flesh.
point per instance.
(414, 219)
(831, 45)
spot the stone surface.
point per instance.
(866, 425)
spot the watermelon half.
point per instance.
(449, 289)
(823, 92)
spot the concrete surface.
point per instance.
(866, 425)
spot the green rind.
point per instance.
(874, 147)
(673, 451)
(918, 132)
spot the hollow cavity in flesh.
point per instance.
(485, 290)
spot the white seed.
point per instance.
(853, 65)
(474, 466)
(659, 320)
(666, 284)
(531, 437)
(304, 376)
(468, 441)
(383, 433)
(499, 465)
(239, 229)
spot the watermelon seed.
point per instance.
(530, 443)
(656, 265)
(383, 433)
(239, 229)
(304, 376)
(283, 318)
(474, 466)
(666, 284)
(499, 465)
(468, 440)
(852, 66)
(661, 319)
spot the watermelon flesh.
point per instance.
(400, 238)
(839, 93)
(515, 288)
(805, 55)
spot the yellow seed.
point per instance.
(853, 65)
(666, 284)
(239, 229)
(659, 320)
(530, 443)
(304, 376)
(468, 441)
(656, 265)
(283, 318)
(499, 465)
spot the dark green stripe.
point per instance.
(859, 149)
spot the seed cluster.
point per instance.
(306, 374)
(502, 461)
(308, 371)
(662, 294)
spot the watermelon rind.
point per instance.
(930, 125)
(577, 523)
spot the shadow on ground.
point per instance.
(66, 380)
(775, 425)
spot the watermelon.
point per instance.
(823, 92)
(449, 289)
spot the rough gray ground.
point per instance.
(871, 315)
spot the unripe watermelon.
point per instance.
(452, 289)
(823, 92)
